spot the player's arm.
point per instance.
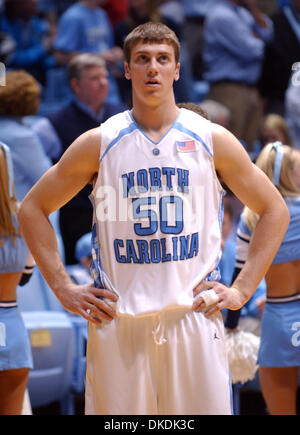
(57, 186)
(254, 189)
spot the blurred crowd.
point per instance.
(63, 75)
(238, 54)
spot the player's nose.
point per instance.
(152, 68)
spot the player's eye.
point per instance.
(163, 58)
(142, 58)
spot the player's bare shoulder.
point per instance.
(90, 141)
(85, 150)
(221, 137)
(228, 150)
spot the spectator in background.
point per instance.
(56, 7)
(251, 312)
(195, 108)
(15, 351)
(7, 47)
(173, 9)
(88, 79)
(117, 10)
(83, 250)
(51, 10)
(20, 98)
(282, 3)
(228, 243)
(184, 87)
(268, 7)
(194, 16)
(210, 110)
(32, 37)
(280, 56)
(279, 356)
(80, 272)
(275, 129)
(86, 28)
(235, 34)
(217, 112)
(292, 107)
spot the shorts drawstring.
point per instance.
(158, 332)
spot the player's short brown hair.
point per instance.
(154, 33)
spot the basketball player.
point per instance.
(156, 340)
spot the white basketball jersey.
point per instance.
(157, 213)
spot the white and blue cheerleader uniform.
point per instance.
(280, 327)
(15, 349)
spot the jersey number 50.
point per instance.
(154, 219)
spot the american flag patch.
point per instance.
(186, 146)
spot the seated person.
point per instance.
(80, 273)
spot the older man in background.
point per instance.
(235, 34)
(88, 79)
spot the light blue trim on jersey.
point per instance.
(220, 219)
(145, 135)
(178, 126)
(122, 133)
(233, 397)
(96, 270)
(10, 169)
(134, 126)
(215, 274)
(221, 211)
(277, 146)
(96, 267)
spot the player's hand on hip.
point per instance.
(212, 296)
(94, 304)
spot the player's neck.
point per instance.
(155, 120)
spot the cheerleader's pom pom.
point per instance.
(242, 350)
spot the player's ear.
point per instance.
(127, 71)
(177, 74)
(74, 84)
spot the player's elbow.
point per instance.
(27, 213)
(24, 213)
(282, 215)
(285, 215)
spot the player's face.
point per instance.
(152, 69)
(92, 87)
